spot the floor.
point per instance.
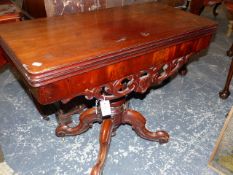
(188, 107)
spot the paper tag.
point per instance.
(105, 107)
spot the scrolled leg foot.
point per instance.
(87, 118)
(45, 117)
(164, 137)
(105, 139)
(224, 94)
(138, 122)
(59, 132)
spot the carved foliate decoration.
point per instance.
(139, 82)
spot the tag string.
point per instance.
(96, 104)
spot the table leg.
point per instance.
(86, 119)
(138, 122)
(120, 115)
(66, 117)
(225, 92)
(105, 139)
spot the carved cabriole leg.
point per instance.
(66, 118)
(105, 139)
(225, 92)
(138, 122)
(87, 118)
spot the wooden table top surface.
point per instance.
(88, 40)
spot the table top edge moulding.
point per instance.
(141, 40)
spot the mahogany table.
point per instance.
(105, 55)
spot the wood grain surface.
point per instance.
(80, 51)
(51, 43)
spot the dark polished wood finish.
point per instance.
(50, 65)
(107, 55)
(224, 94)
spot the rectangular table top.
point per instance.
(56, 46)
